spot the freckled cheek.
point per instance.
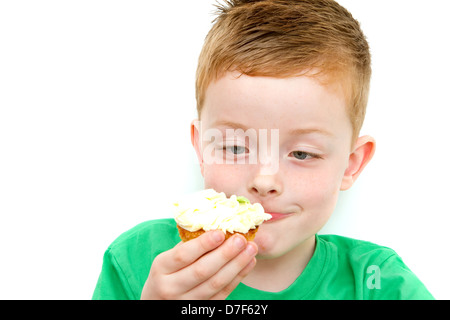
(316, 191)
(225, 177)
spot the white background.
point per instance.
(96, 99)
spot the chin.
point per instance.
(268, 244)
(273, 241)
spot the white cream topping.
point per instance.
(210, 210)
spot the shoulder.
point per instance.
(349, 248)
(378, 272)
(151, 228)
(127, 261)
(154, 235)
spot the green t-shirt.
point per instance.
(340, 268)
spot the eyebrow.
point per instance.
(305, 131)
(296, 132)
(231, 124)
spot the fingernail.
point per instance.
(218, 236)
(250, 250)
(238, 242)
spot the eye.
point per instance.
(302, 155)
(236, 149)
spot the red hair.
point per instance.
(284, 38)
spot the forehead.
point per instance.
(293, 103)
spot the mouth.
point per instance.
(277, 216)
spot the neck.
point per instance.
(276, 274)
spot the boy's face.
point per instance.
(299, 177)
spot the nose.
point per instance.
(265, 185)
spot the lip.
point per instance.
(278, 216)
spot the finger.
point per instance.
(205, 267)
(186, 253)
(226, 291)
(228, 274)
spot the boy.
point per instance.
(299, 69)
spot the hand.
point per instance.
(203, 268)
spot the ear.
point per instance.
(195, 139)
(362, 153)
